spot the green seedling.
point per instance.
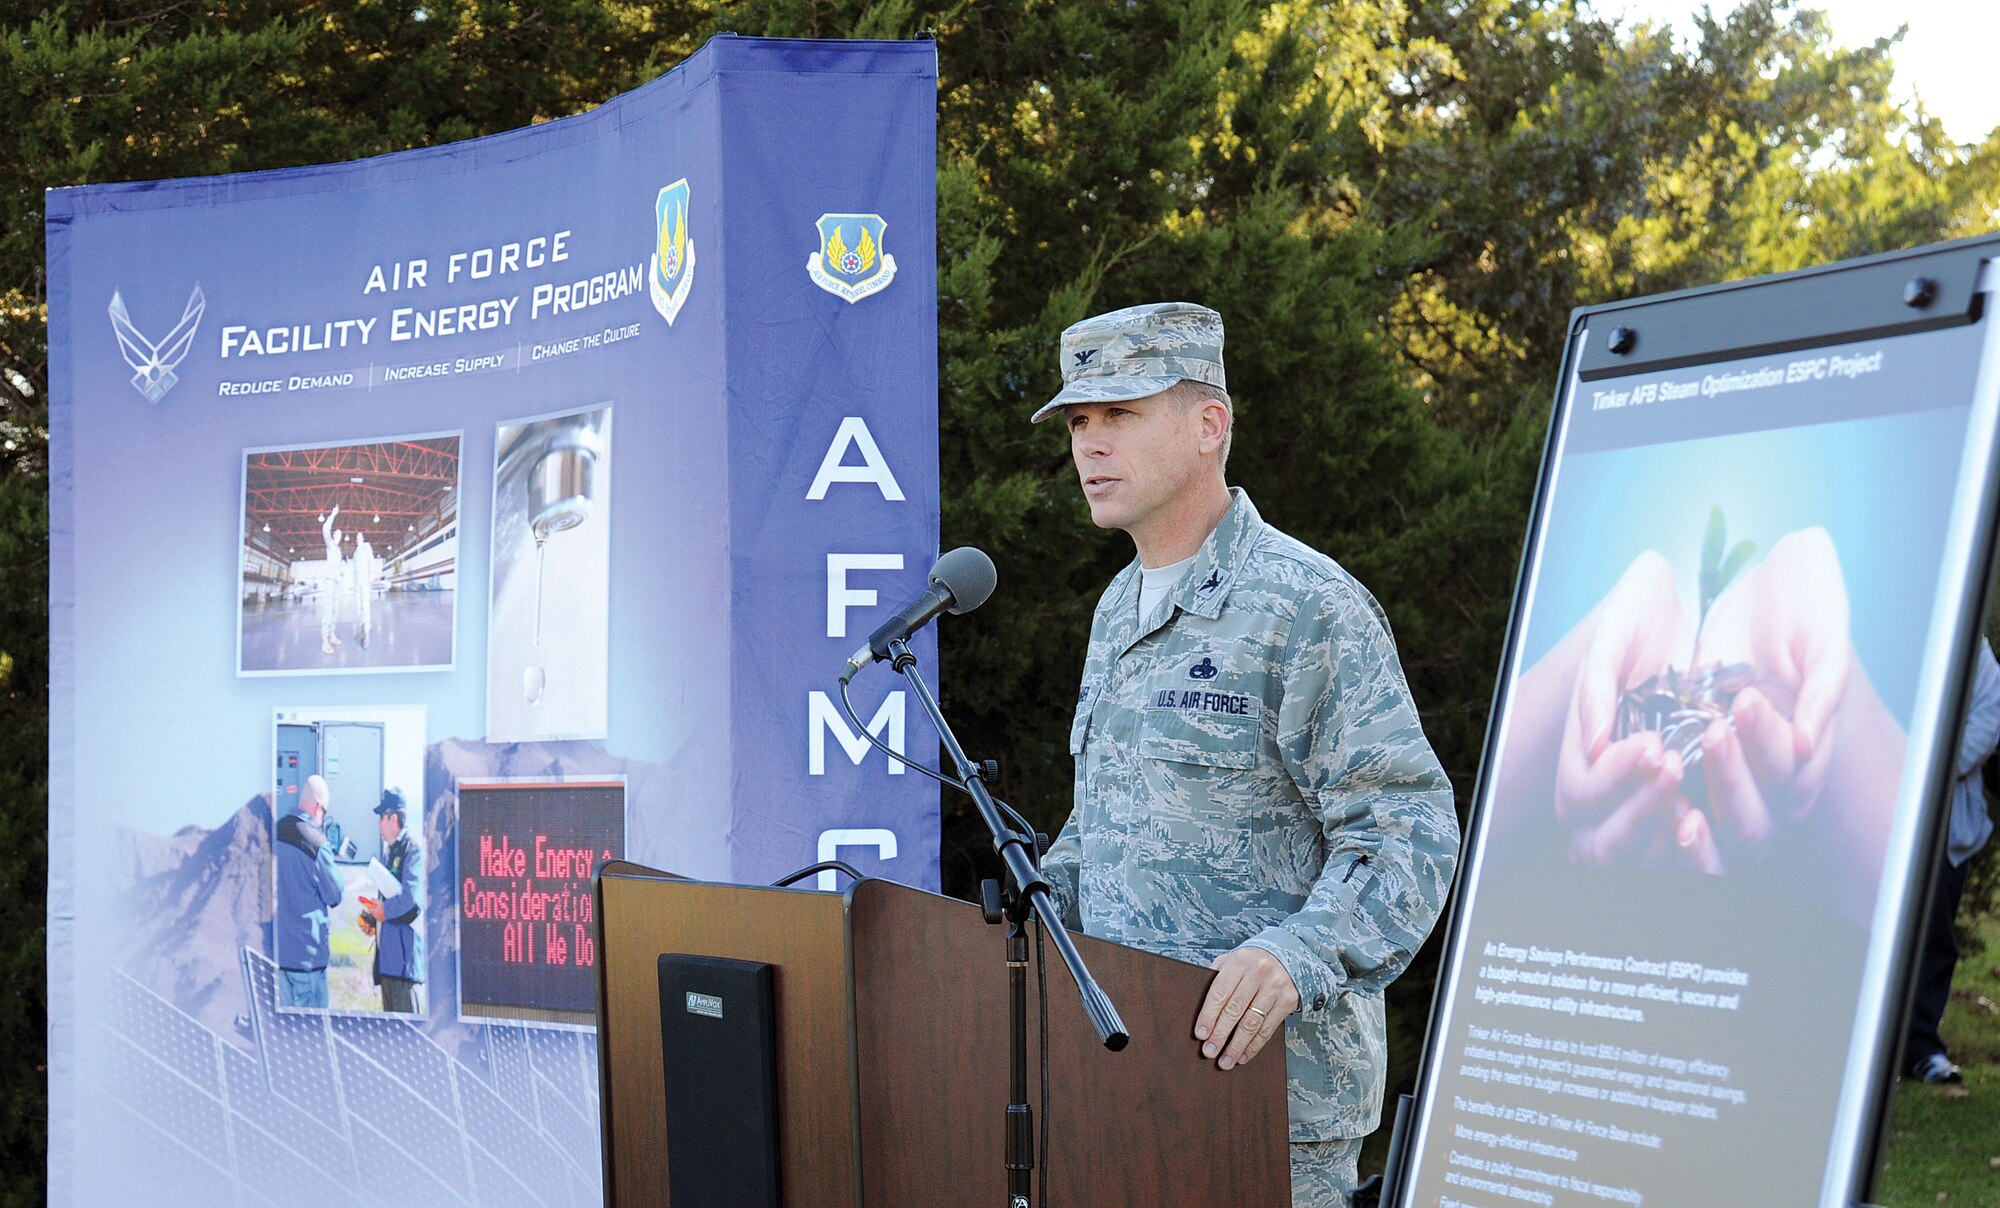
(1679, 705)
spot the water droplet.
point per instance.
(533, 680)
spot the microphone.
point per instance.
(960, 582)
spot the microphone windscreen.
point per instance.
(969, 575)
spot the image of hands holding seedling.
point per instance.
(1717, 732)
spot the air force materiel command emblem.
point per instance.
(673, 257)
(153, 364)
(850, 262)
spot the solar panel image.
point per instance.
(321, 1108)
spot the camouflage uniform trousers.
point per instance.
(1324, 1172)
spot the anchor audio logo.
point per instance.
(153, 363)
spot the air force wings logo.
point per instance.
(153, 364)
(673, 257)
(850, 262)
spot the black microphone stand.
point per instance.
(1029, 894)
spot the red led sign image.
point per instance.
(526, 854)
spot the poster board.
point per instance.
(1723, 733)
(573, 456)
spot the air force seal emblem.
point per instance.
(153, 364)
(850, 262)
(673, 255)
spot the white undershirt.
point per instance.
(1156, 581)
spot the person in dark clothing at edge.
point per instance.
(1924, 1055)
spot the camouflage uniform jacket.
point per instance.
(1250, 769)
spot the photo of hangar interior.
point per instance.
(350, 557)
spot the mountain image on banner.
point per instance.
(193, 900)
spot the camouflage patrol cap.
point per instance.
(1136, 352)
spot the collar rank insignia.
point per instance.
(851, 262)
(153, 364)
(673, 256)
(1212, 584)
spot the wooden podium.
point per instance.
(892, 1043)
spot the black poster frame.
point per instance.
(1892, 294)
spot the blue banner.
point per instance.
(426, 530)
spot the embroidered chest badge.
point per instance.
(1204, 670)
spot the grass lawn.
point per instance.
(1944, 1142)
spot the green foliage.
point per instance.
(1981, 898)
(24, 673)
(1717, 570)
(1558, 160)
(1941, 1138)
(1394, 204)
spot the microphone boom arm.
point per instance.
(1017, 853)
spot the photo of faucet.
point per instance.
(559, 499)
(547, 633)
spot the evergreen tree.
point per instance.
(1557, 160)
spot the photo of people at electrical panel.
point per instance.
(349, 862)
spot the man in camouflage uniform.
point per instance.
(1253, 788)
